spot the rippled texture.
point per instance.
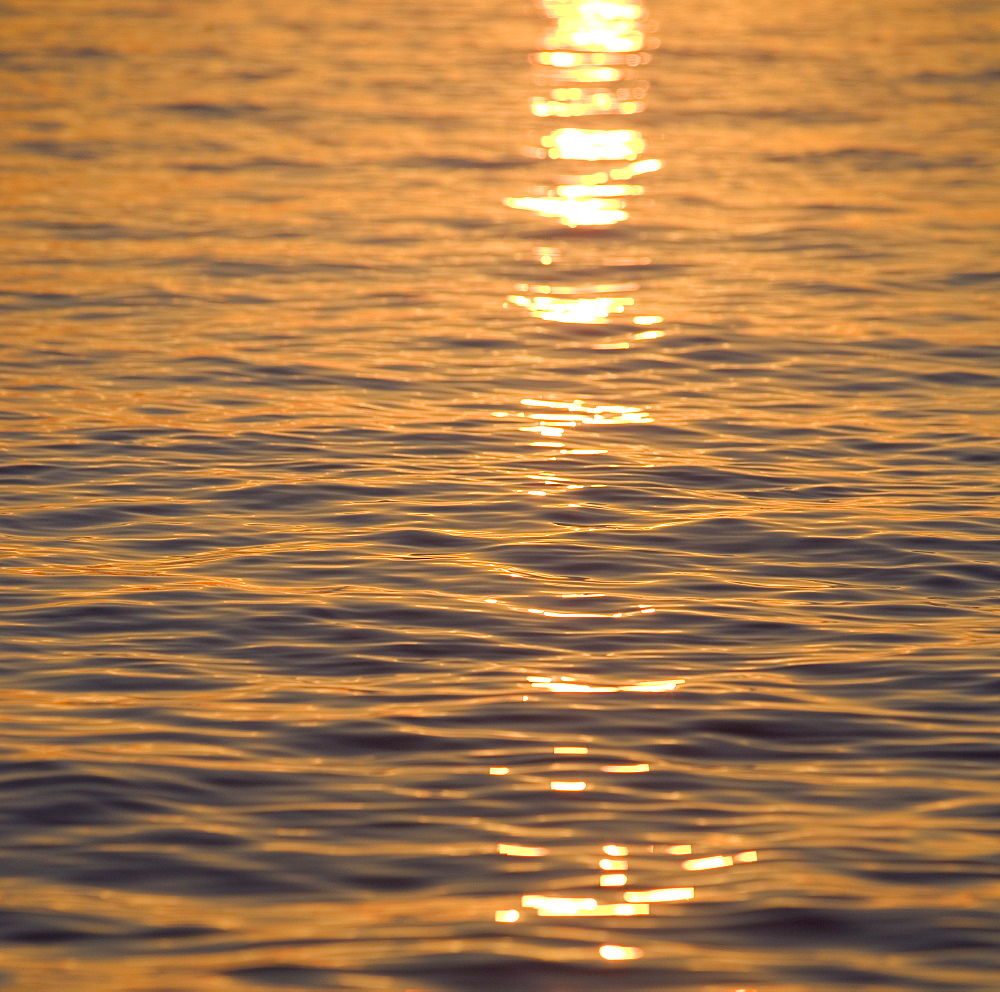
(367, 628)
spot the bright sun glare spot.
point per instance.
(618, 952)
(591, 145)
(506, 916)
(615, 850)
(614, 879)
(569, 311)
(567, 786)
(585, 105)
(595, 25)
(588, 211)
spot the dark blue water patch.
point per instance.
(287, 975)
(232, 371)
(188, 875)
(184, 837)
(60, 521)
(215, 110)
(129, 685)
(878, 160)
(54, 927)
(882, 931)
(227, 269)
(489, 972)
(75, 799)
(255, 164)
(277, 497)
(963, 378)
(14, 300)
(974, 278)
(789, 729)
(699, 478)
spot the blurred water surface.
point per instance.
(500, 498)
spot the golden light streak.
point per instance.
(566, 60)
(636, 169)
(518, 851)
(615, 850)
(718, 861)
(566, 684)
(595, 415)
(572, 212)
(665, 686)
(544, 430)
(499, 771)
(583, 74)
(625, 769)
(565, 311)
(567, 786)
(585, 105)
(615, 879)
(506, 916)
(571, 750)
(611, 909)
(557, 905)
(705, 864)
(659, 895)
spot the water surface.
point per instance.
(420, 576)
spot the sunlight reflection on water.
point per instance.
(471, 528)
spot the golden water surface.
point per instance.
(499, 497)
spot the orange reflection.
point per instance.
(613, 873)
(595, 25)
(591, 50)
(592, 145)
(581, 104)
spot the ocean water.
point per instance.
(500, 498)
